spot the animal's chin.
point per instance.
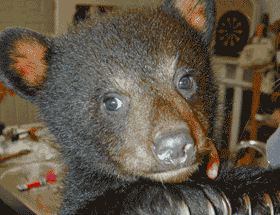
(174, 176)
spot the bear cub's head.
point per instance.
(127, 94)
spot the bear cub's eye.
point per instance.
(185, 82)
(113, 103)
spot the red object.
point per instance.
(34, 184)
(51, 176)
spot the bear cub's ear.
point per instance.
(24, 61)
(200, 14)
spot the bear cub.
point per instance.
(131, 98)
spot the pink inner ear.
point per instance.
(29, 61)
(194, 13)
(197, 18)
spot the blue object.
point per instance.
(273, 148)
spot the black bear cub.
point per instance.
(131, 98)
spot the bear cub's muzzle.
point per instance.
(174, 149)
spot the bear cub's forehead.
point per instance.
(135, 35)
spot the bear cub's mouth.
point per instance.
(177, 175)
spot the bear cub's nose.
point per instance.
(174, 148)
